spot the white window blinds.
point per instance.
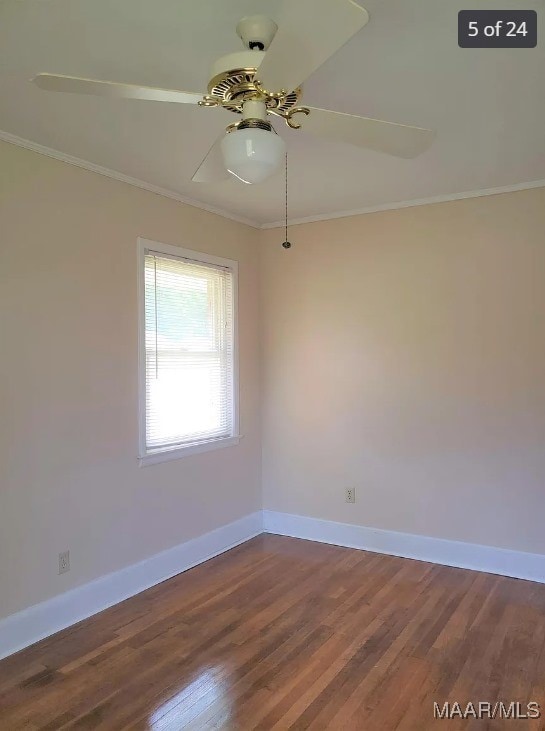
(189, 352)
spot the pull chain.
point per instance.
(286, 243)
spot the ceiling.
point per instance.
(488, 106)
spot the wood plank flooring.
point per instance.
(281, 633)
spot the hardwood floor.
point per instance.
(281, 633)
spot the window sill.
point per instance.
(169, 454)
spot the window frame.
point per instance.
(145, 456)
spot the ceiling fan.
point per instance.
(266, 80)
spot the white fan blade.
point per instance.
(394, 139)
(309, 32)
(75, 85)
(212, 169)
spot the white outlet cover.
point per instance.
(64, 562)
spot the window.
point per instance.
(188, 398)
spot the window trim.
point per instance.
(145, 456)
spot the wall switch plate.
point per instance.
(64, 562)
(350, 496)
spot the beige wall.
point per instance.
(404, 354)
(69, 477)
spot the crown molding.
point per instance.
(166, 193)
(121, 177)
(409, 204)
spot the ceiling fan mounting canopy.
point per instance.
(256, 32)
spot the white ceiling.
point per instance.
(488, 106)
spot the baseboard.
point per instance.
(41, 620)
(518, 564)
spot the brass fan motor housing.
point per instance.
(237, 85)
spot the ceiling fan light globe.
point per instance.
(252, 155)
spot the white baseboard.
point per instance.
(517, 564)
(41, 620)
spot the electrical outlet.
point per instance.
(350, 495)
(64, 562)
